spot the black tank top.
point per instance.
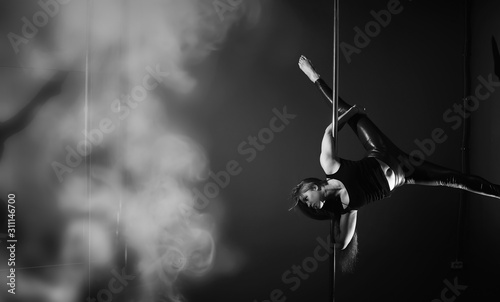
(364, 181)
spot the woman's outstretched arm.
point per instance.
(25, 115)
(347, 229)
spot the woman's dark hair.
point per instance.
(346, 257)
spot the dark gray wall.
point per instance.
(483, 223)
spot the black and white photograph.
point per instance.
(249, 150)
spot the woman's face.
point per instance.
(313, 198)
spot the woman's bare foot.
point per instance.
(307, 67)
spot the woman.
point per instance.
(349, 185)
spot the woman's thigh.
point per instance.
(379, 146)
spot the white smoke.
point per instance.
(136, 182)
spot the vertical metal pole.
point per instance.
(335, 120)
(87, 120)
(123, 85)
(335, 74)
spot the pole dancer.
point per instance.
(350, 185)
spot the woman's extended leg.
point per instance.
(375, 142)
(380, 146)
(407, 171)
(327, 93)
(429, 174)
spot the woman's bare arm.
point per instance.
(329, 162)
(347, 229)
